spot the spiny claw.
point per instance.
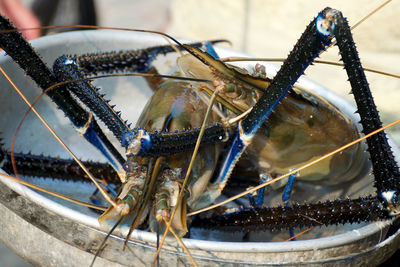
(142, 143)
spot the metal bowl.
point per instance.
(48, 231)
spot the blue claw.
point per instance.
(287, 191)
(261, 193)
(210, 50)
(291, 234)
(252, 200)
(259, 200)
(95, 199)
(233, 155)
(90, 134)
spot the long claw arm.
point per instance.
(308, 47)
(22, 52)
(328, 24)
(385, 168)
(296, 216)
(79, 68)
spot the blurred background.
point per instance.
(260, 28)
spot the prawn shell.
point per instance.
(176, 106)
(301, 130)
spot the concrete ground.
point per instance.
(269, 29)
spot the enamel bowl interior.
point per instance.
(130, 95)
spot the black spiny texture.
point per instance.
(139, 61)
(297, 216)
(110, 62)
(164, 143)
(306, 49)
(56, 168)
(88, 94)
(385, 169)
(22, 53)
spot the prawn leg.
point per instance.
(287, 192)
(318, 35)
(330, 23)
(67, 69)
(79, 68)
(55, 168)
(28, 59)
